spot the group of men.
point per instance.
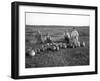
(72, 37)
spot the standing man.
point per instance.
(75, 37)
(39, 37)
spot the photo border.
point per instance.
(15, 39)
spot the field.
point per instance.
(64, 57)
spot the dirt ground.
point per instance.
(64, 57)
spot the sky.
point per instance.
(57, 19)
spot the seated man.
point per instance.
(67, 37)
(48, 39)
(74, 37)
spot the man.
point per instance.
(48, 39)
(67, 37)
(74, 37)
(39, 37)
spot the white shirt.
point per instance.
(74, 34)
